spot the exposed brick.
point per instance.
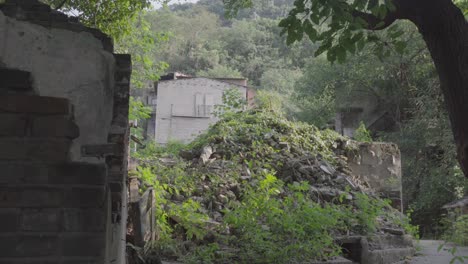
(23, 173)
(55, 126)
(36, 197)
(28, 245)
(40, 220)
(100, 150)
(83, 245)
(27, 260)
(116, 205)
(35, 104)
(123, 61)
(84, 197)
(82, 261)
(13, 172)
(115, 165)
(49, 150)
(78, 173)
(9, 198)
(13, 124)
(84, 220)
(9, 219)
(17, 80)
(115, 186)
(116, 176)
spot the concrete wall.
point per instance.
(352, 108)
(379, 165)
(68, 64)
(184, 107)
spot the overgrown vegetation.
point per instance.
(199, 39)
(456, 228)
(269, 190)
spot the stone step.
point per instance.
(47, 150)
(29, 125)
(15, 81)
(24, 196)
(70, 173)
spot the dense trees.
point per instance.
(111, 16)
(338, 25)
(290, 79)
(199, 39)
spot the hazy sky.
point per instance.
(157, 4)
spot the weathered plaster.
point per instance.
(176, 116)
(65, 64)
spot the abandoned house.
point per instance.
(183, 105)
(373, 109)
(64, 99)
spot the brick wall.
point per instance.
(54, 206)
(52, 209)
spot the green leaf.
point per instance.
(390, 5)
(439, 248)
(372, 4)
(341, 54)
(360, 44)
(383, 11)
(400, 47)
(291, 38)
(310, 30)
(324, 47)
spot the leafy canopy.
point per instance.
(113, 17)
(339, 26)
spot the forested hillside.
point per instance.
(200, 40)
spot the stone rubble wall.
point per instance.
(378, 164)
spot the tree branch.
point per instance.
(375, 23)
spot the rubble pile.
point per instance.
(295, 151)
(236, 151)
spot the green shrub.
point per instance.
(279, 225)
(456, 229)
(362, 134)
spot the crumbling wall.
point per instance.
(51, 208)
(379, 165)
(66, 60)
(64, 100)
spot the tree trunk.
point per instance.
(445, 32)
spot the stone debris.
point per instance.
(329, 183)
(227, 164)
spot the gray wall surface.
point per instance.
(66, 64)
(184, 107)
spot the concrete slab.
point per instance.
(428, 253)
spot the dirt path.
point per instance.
(428, 253)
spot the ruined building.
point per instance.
(374, 110)
(63, 131)
(183, 105)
